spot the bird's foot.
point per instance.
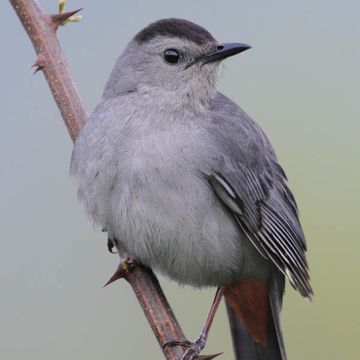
(111, 245)
(193, 349)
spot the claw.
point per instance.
(208, 357)
(193, 349)
(110, 246)
(185, 343)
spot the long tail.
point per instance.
(253, 308)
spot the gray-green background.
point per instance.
(300, 81)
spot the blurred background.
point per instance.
(301, 81)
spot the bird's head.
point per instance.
(171, 58)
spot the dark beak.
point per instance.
(223, 51)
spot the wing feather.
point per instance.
(249, 180)
(278, 237)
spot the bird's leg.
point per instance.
(195, 348)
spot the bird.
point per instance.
(189, 184)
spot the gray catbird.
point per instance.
(190, 185)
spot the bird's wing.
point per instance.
(248, 180)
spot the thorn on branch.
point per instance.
(65, 17)
(122, 270)
(39, 63)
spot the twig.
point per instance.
(41, 29)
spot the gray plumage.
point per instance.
(180, 175)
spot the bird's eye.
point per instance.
(171, 56)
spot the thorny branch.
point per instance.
(41, 29)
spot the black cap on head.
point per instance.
(175, 28)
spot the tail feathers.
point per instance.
(277, 287)
(249, 344)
